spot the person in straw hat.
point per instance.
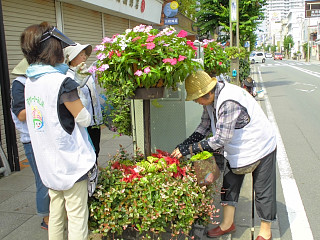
(76, 56)
(241, 128)
(18, 113)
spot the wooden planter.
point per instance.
(148, 93)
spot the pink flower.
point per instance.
(118, 53)
(138, 73)
(99, 48)
(147, 70)
(110, 54)
(220, 63)
(107, 40)
(191, 45)
(150, 38)
(181, 58)
(151, 45)
(172, 61)
(92, 69)
(103, 67)
(135, 39)
(182, 34)
(101, 56)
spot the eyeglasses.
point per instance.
(54, 32)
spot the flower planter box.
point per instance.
(148, 93)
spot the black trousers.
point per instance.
(95, 135)
(264, 185)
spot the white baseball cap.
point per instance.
(72, 51)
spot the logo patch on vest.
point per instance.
(37, 118)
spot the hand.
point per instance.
(81, 74)
(176, 153)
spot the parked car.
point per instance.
(257, 57)
(277, 56)
(268, 55)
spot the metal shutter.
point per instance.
(83, 26)
(17, 15)
(114, 25)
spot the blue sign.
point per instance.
(169, 12)
(171, 21)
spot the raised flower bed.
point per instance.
(149, 197)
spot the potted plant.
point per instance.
(149, 196)
(141, 57)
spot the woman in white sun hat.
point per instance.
(76, 56)
(18, 112)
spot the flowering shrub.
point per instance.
(216, 61)
(149, 196)
(141, 57)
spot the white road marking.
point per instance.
(299, 224)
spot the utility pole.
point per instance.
(234, 18)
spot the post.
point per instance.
(147, 128)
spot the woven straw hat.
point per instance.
(72, 51)
(21, 67)
(198, 84)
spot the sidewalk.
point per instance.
(18, 219)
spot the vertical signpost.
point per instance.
(234, 18)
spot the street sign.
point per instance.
(171, 21)
(233, 11)
(247, 44)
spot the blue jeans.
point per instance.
(42, 195)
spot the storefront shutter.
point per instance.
(114, 25)
(17, 15)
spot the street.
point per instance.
(292, 104)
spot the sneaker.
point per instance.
(44, 225)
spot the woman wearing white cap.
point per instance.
(18, 113)
(75, 56)
(238, 125)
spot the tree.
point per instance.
(188, 8)
(288, 43)
(274, 48)
(214, 16)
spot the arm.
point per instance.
(226, 122)
(18, 104)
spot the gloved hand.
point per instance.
(83, 98)
(81, 74)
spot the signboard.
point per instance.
(170, 9)
(233, 11)
(171, 21)
(247, 44)
(312, 9)
(275, 16)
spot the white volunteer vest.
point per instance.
(255, 140)
(62, 158)
(21, 126)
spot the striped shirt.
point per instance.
(231, 116)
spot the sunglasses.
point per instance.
(54, 32)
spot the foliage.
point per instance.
(235, 52)
(244, 69)
(274, 48)
(288, 43)
(214, 15)
(187, 8)
(215, 59)
(201, 156)
(148, 195)
(141, 57)
(305, 50)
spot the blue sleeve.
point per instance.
(17, 92)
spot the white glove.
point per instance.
(82, 97)
(81, 74)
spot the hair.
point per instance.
(249, 79)
(47, 52)
(206, 96)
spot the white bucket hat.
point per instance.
(21, 67)
(72, 51)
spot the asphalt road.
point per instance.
(293, 98)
